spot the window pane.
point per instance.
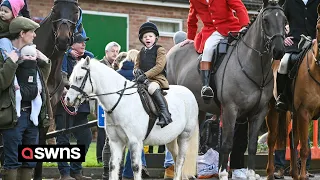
(167, 26)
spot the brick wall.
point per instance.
(138, 14)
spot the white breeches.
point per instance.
(211, 44)
(283, 68)
(152, 87)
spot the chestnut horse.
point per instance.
(306, 105)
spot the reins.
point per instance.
(86, 96)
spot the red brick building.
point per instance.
(169, 15)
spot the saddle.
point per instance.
(218, 56)
(295, 59)
(149, 106)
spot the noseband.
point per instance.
(62, 21)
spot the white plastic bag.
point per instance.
(208, 164)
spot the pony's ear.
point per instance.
(265, 3)
(87, 61)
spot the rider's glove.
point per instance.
(138, 72)
(243, 30)
(142, 78)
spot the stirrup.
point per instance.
(207, 92)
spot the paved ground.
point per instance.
(262, 178)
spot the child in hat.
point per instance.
(150, 65)
(9, 9)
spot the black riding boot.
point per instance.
(281, 104)
(206, 91)
(165, 116)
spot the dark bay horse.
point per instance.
(306, 106)
(54, 37)
(243, 80)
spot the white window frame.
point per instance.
(167, 20)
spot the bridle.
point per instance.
(268, 39)
(84, 95)
(69, 23)
(62, 21)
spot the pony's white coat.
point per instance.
(127, 124)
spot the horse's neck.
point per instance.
(45, 38)
(107, 80)
(254, 38)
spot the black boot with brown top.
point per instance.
(165, 116)
(206, 91)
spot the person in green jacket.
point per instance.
(20, 131)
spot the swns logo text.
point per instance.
(51, 153)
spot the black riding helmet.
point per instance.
(148, 27)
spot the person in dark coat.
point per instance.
(302, 19)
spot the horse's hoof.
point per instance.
(223, 175)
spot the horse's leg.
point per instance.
(228, 123)
(293, 151)
(173, 149)
(116, 148)
(303, 117)
(136, 163)
(255, 123)
(183, 142)
(272, 124)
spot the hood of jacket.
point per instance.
(127, 65)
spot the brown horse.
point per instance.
(54, 37)
(306, 105)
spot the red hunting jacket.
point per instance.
(216, 15)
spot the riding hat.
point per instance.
(78, 38)
(20, 23)
(148, 27)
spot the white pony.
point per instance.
(128, 122)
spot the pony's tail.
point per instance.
(284, 118)
(190, 164)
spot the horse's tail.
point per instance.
(284, 117)
(190, 163)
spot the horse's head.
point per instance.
(273, 21)
(81, 83)
(64, 16)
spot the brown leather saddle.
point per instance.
(149, 106)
